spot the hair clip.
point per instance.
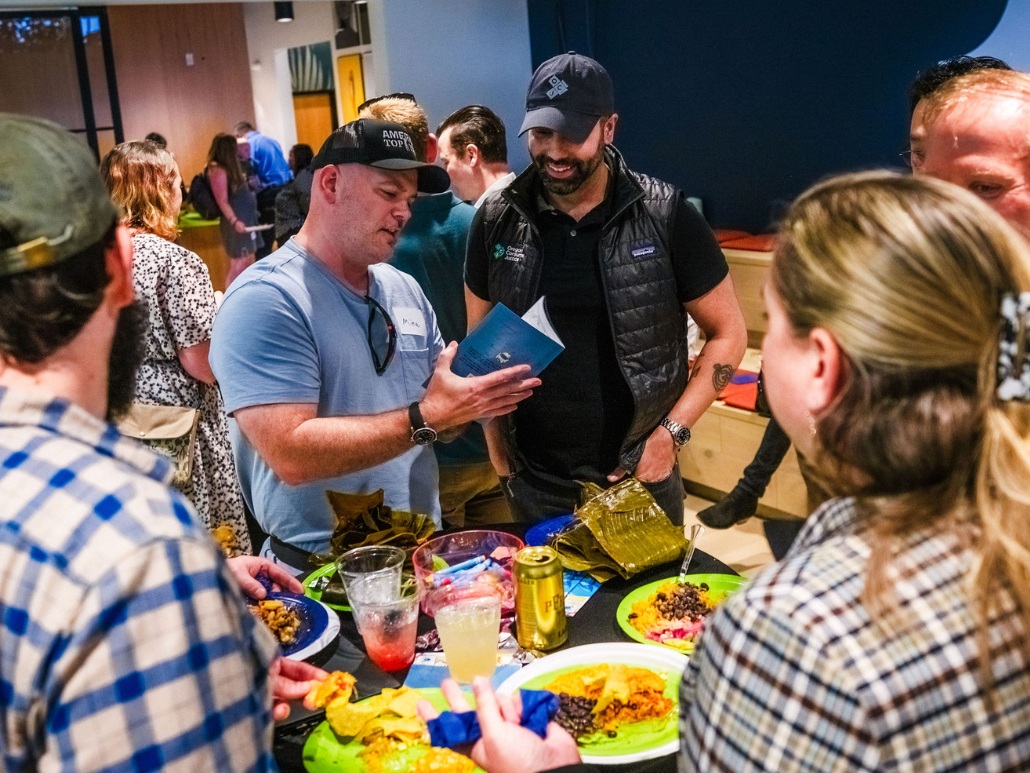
(1013, 360)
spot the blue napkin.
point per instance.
(452, 729)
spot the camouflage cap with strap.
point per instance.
(53, 203)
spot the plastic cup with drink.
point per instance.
(388, 626)
(468, 617)
(385, 608)
(377, 566)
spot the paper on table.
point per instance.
(579, 587)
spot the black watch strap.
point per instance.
(421, 433)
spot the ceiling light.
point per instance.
(284, 12)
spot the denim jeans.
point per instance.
(532, 499)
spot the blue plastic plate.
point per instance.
(542, 533)
(313, 622)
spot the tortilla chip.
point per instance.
(403, 703)
(338, 685)
(349, 719)
(409, 730)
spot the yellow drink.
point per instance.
(468, 632)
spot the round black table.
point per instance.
(593, 624)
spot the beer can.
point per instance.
(539, 599)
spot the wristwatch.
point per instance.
(421, 433)
(680, 434)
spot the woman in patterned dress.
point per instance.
(174, 286)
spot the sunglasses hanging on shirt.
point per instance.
(380, 331)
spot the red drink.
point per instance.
(391, 646)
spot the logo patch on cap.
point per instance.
(398, 139)
(558, 87)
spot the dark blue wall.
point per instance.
(747, 102)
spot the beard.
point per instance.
(127, 354)
(581, 171)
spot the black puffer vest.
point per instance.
(648, 322)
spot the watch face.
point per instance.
(683, 436)
(423, 436)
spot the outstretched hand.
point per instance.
(452, 400)
(506, 746)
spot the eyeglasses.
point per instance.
(398, 95)
(376, 312)
(913, 158)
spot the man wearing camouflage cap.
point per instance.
(125, 643)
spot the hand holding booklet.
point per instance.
(503, 339)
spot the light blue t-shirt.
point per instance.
(289, 331)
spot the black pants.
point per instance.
(533, 499)
(770, 453)
(266, 216)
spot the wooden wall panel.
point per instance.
(40, 79)
(160, 92)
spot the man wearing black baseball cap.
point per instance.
(621, 258)
(322, 352)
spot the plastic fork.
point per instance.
(695, 531)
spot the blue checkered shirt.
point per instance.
(794, 674)
(124, 644)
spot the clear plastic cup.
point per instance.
(388, 626)
(379, 569)
(468, 618)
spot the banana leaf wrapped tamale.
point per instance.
(619, 532)
(365, 519)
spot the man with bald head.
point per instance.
(977, 136)
(331, 363)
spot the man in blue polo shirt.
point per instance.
(273, 172)
(331, 363)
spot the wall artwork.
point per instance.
(311, 67)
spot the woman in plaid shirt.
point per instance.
(894, 635)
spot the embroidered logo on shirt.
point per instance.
(516, 253)
(410, 321)
(558, 87)
(645, 250)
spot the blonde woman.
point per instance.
(895, 635)
(174, 285)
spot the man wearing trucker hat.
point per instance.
(323, 353)
(621, 259)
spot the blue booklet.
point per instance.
(503, 339)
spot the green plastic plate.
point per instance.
(310, 592)
(634, 742)
(719, 585)
(324, 752)
(631, 739)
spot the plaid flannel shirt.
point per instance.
(124, 644)
(792, 674)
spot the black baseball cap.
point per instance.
(383, 145)
(568, 93)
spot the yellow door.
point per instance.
(313, 114)
(352, 85)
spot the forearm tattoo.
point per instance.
(721, 375)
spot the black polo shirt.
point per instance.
(573, 425)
